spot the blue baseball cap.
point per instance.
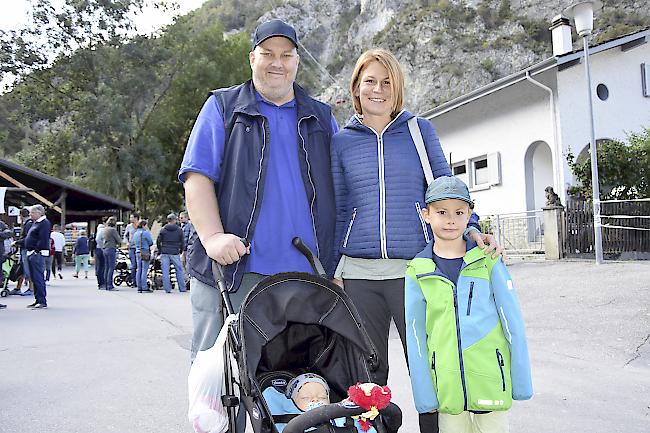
(273, 28)
(447, 187)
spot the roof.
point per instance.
(625, 42)
(78, 200)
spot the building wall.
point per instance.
(626, 109)
(508, 122)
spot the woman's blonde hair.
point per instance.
(395, 74)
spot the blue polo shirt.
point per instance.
(285, 210)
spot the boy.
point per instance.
(467, 350)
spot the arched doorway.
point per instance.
(539, 174)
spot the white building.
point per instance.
(509, 139)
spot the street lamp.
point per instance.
(583, 16)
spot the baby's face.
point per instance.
(311, 392)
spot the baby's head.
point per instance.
(308, 391)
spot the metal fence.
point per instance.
(518, 233)
(625, 228)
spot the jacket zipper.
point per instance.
(460, 347)
(382, 185)
(257, 191)
(347, 235)
(501, 365)
(311, 182)
(469, 301)
(382, 197)
(418, 208)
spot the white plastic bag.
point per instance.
(206, 386)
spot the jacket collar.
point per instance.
(247, 103)
(356, 124)
(473, 254)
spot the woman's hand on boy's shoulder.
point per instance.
(483, 239)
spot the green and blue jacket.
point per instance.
(466, 342)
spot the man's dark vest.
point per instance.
(241, 184)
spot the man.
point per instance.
(170, 244)
(128, 239)
(257, 167)
(37, 244)
(186, 225)
(26, 277)
(59, 245)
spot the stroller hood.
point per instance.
(301, 322)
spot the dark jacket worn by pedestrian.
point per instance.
(170, 240)
(81, 246)
(27, 224)
(38, 237)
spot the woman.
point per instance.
(379, 187)
(81, 252)
(143, 242)
(111, 241)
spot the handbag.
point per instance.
(145, 256)
(414, 129)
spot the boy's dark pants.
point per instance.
(377, 302)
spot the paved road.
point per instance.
(117, 362)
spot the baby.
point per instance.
(308, 391)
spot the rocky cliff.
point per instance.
(447, 47)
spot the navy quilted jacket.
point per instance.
(379, 187)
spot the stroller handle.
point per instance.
(391, 416)
(313, 260)
(217, 274)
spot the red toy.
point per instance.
(371, 397)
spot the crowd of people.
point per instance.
(40, 253)
(265, 162)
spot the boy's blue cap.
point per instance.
(447, 187)
(273, 28)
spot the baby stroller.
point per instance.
(12, 270)
(154, 274)
(292, 323)
(122, 272)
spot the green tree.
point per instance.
(623, 169)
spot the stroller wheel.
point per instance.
(117, 280)
(130, 282)
(4, 293)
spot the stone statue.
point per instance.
(552, 199)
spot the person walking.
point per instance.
(468, 355)
(129, 231)
(100, 262)
(379, 184)
(81, 253)
(170, 244)
(272, 184)
(37, 244)
(143, 242)
(59, 245)
(111, 242)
